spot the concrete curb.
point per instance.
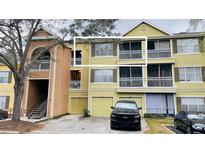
(9, 132)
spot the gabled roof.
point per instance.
(150, 24)
(51, 34)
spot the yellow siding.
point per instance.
(101, 106)
(7, 89)
(145, 30)
(78, 105)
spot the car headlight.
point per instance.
(136, 116)
(197, 126)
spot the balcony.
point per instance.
(131, 82)
(41, 65)
(159, 53)
(160, 82)
(77, 61)
(75, 84)
(132, 54)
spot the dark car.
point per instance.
(3, 114)
(125, 114)
(190, 123)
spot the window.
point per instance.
(190, 74)
(103, 75)
(130, 46)
(194, 104)
(188, 46)
(4, 77)
(3, 102)
(104, 49)
(159, 45)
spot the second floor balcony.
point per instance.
(41, 65)
(77, 61)
(160, 82)
(159, 53)
(75, 84)
(132, 54)
(131, 81)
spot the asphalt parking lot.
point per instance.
(173, 129)
(71, 124)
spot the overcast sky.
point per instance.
(170, 25)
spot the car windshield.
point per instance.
(124, 105)
(196, 116)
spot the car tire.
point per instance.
(112, 126)
(189, 130)
(175, 125)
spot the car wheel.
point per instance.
(112, 126)
(175, 125)
(189, 130)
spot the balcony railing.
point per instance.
(131, 81)
(75, 84)
(41, 65)
(160, 82)
(77, 61)
(132, 54)
(159, 53)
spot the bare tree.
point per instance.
(15, 39)
(196, 25)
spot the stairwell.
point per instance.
(39, 111)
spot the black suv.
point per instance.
(125, 114)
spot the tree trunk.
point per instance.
(18, 95)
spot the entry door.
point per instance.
(160, 103)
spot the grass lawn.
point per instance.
(156, 125)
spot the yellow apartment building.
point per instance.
(172, 80)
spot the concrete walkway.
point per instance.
(71, 124)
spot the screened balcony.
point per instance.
(159, 75)
(75, 81)
(77, 59)
(43, 62)
(159, 49)
(131, 77)
(41, 65)
(130, 50)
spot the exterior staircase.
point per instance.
(39, 111)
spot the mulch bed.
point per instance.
(21, 126)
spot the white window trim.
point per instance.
(190, 52)
(3, 102)
(98, 82)
(194, 74)
(101, 56)
(7, 78)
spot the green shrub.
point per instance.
(154, 115)
(86, 113)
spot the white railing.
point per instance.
(160, 82)
(131, 54)
(41, 65)
(75, 84)
(159, 53)
(77, 61)
(131, 81)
